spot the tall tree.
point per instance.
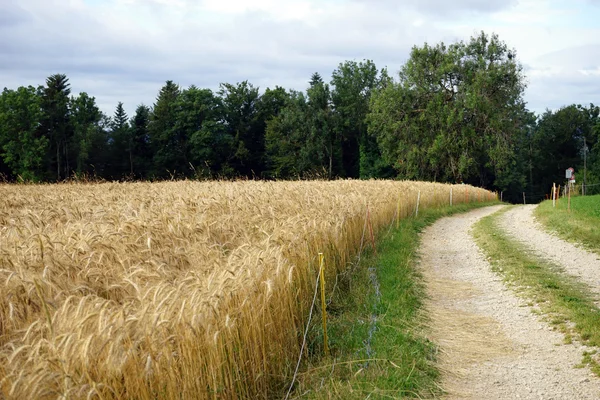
(141, 153)
(594, 151)
(288, 148)
(56, 125)
(22, 147)
(121, 144)
(558, 143)
(247, 138)
(200, 125)
(89, 140)
(353, 84)
(322, 132)
(166, 146)
(454, 113)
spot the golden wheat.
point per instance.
(177, 289)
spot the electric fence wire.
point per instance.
(362, 242)
(304, 338)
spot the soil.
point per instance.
(492, 345)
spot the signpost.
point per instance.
(569, 173)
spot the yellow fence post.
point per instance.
(323, 304)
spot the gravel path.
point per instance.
(491, 345)
(520, 223)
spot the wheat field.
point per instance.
(175, 290)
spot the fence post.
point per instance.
(418, 201)
(524, 198)
(450, 196)
(554, 194)
(323, 304)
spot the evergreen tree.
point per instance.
(56, 126)
(240, 115)
(323, 138)
(121, 145)
(89, 143)
(141, 153)
(200, 129)
(287, 142)
(353, 84)
(164, 142)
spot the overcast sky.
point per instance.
(124, 50)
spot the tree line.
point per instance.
(454, 113)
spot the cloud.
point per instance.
(124, 50)
(442, 8)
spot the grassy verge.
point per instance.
(581, 225)
(565, 302)
(374, 325)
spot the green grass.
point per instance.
(581, 225)
(397, 361)
(565, 302)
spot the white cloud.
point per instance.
(124, 50)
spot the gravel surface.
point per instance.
(491, 344)
(520, 223)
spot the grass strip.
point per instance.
(581, 224)
(375, 324)
(565, 302)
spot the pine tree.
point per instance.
(56, 125)
(164, 143)
(141, 154)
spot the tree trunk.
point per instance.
(330, 161)
(58, 161)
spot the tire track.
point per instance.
(520, 223)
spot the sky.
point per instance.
(125, 50)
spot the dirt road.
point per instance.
(492, 346)
(520, 223)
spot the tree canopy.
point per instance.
(454, 113)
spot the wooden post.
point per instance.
(554, 195)
(501, 194)
(323, 304)
(524, 198)
(450, 197)
(418, 201)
